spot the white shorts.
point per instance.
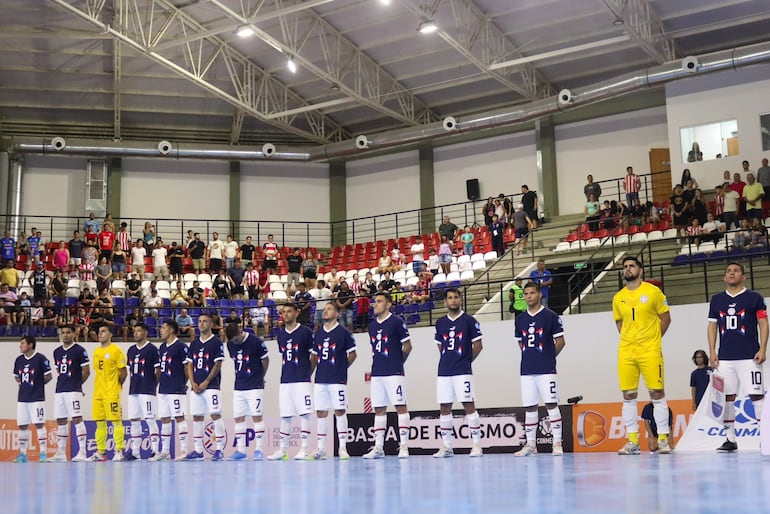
(170, 405)
(330, 397)
(537, 387)
(75, 260)
(30, 413)
(295, 399)
(458, 388)
(207, 402)
(247, 403)
(67, 405)
(141, 406)
(388, 391)
(743, 375)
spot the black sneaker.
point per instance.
(129, 455)
(728, 446)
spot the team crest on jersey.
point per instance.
(644, 299)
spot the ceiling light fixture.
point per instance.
(385, 2)
(427, 27)
(618, 21)
(291, 65)
(244, 31)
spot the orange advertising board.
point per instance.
(598, 427)
(9, 440)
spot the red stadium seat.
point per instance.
(602, 233)
(648, 227)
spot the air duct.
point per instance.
(623, 84)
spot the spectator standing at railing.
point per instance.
(731, 202)
(467, 239)
(488, 210)
(138, 253)
(124, 237)
(680, 212)
(310, 270)
(106, 241)
(270, 247)
(75, 247)
(230, 251)
(90, 234)
(36, 247)
(530, 202)
(235, 275)
(686, 175)
(61, 256)
(294, 263)
(631, 185)
(592, 213)
(500, 211)
(246, 252)
(763, 177)
(737, 185)
(719, 203)
(699, 207)
(447, 228)
(176, 258)
(91, 222)
(543, 277)
(507, 206)
(8, 249)
(592, 188)
(148, 237)
(688, 191)
(445, 251)
(753, 193)
(197, 249)
(418, 257)
(215, 253)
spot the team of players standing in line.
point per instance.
(640, 311)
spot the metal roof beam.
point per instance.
(644, 27)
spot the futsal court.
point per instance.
(576, 483)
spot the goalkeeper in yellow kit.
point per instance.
(110, 371)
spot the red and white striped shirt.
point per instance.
(124, 239)
(719, 205)
(251, 278)
(632, 183)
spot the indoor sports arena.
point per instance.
(384, 255)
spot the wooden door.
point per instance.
(660, 167)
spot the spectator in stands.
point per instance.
(433, 261)
(467, 239)
(185, 322)
(264, 282)
(591, 209)
(521, 226)
(500, 212)
(152, 304)
(221, 286)
(230, 251)
(39, 279)
(118, 262)
(179, 297)
(592, 188)
(91, 222)
(259, 317)
(445, 250)
(543, 277)
(216, 322)
(7, 249)
(195, 295)
(447, 228)
(712, 229)
(763, 177)
(322, 295)
(90, 261)
(746, 168)
(134, 285)
(652, 427)
(694, 154)
(8, 301)
(420, 292)
(719, 202)
(686, 175)
(355, 284)
(398, 295)
(270, 247)
(731, 203)
(58, 286)
(294, 263)
(694, 232)
(197, 249)
(418, 255)
(488, 210)
(176, 258)
(104, 301)
(82, 321)
(148, 237)
(680, 211)
(310, 270)
(103, 274)
(688, 191)
(496, 229)
(387, 283)
(87, 300)
(124, 238)
(133, 318)
(61, 256)
(215, 253)
(758, 233)
(385, 263)
(737, 186)
(235, 276)
(699, 207)
(138, 253)
(700, 377)
(636, 213)
(106, 242)
(395, 257)
(753, 193)
(246, 252)
(742, 237)
(75, 247)
(653, 214)
(24, 309)
(631, 185)
(530, 202)
(8, 276)
(233, 319)
(304, 301)
(251, 281)
(369, 286)
(188, 239)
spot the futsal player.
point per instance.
(109, 374)
(642, 317)
(204, 369)
(739, 315)
(391, 345)
(334, 350)
(144, 367)
(73, 367)
(250, 357)
(458, 337)
(32, 372)
(295, 392)
(540, 335)
(172, 386)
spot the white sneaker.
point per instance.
(343, 453)
(664, 447)
(59, 457)
(181, 456)
(444, 452)
(374, 453)
(319, 454)
(278, 455)
(160, 457)
(80, 457)
(558, 449)
(526, 451)
(629, 449)
(118, 456)
(403, 452)
(301, 455)
(476, 451)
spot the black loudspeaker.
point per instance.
(472, 187)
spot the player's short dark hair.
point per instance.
(631, 258)
(30, 340)
(534, 285)
(452, 290)
(291, 305)
(705, 357)
(204, 314)
(733, 263)
(142, 326)
(334, 305)
(385, 295)
(170, 323)
(67, 325)
(232, 330)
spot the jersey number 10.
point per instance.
(731, 322)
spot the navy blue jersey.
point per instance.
(8, 248)
(247, 357)
(736, 318)
(142, 363)
(31, 372)
(699, 379)
(69, 364)
(295, 354)
(204, 354)
(173, 358)
(535, 334)
(332, 348)
(455, 338)
(386, 338)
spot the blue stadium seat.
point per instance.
(49, 332)
(681, 260)
(133, 302)
(14, 331)
(3, 330)
(412, 319)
